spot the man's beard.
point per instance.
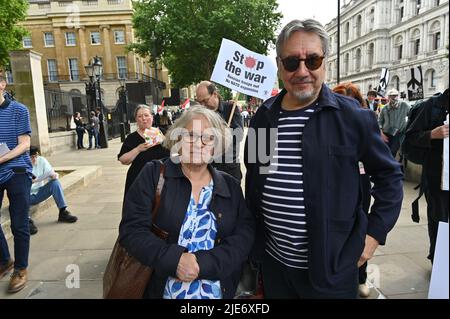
(304, 96)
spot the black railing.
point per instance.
(54, 78)
(61, 106)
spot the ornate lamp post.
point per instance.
(123, 98)
(95, 70)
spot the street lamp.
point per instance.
(123, 98)
(153, 39)
(95, 71)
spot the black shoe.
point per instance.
(66, 217)
(33, 228)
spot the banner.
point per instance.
(384, 81)
(439, 274)
(415, 84)
(244, 71)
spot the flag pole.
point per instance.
(232, 109)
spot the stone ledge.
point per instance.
(80, 176)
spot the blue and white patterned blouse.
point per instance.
(198, 232)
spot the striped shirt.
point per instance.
(283, 204)
(14, 122)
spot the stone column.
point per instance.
(131, 68)
(29, 90)
(108, 63)
(83, 48)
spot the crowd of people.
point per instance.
(313, 211)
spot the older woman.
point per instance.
(135, 150)
(203, 210)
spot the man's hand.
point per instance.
(54, 175)
(369, 250)
(440, 132)
(188, 268)
(384, 137)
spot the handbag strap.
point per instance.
(158, 192)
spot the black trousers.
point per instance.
(282, 282)
(437, 210)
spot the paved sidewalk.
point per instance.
(399, 269)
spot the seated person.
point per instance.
(46, 184)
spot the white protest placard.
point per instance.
(244, 71)
(439, 275)
(445, 162)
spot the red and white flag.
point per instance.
(161, 107)
(186, 104)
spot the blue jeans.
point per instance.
(93, 133)
(52, 188)
(18, 191)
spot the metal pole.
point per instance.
(338, 62)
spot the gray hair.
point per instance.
(140, 107)
(308, 25)
(219, 129)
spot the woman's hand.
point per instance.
(188, 268)
(143, 147)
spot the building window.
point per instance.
(71, 39)
(52, 70)
(418, 5)
(358, 60)
(370, 54)
(436, 3)
(95, 37)
(122, 67)
(26, 41)
(346, 60)
(416, 46)
(358, 26)
(138, 68)
(371, 19)
(346, 32)
(437, 41)
(115, 1)
(400, 52)
(433, 79)
(402, 13)
(119, 37)
(49, 41)
(73, 70)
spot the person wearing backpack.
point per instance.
(427, 131)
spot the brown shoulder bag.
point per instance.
(125, 277)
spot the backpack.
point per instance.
(411, 152)
(414, 153)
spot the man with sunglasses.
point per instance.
(312, 231)
(207, 95)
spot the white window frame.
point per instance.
(26, 38)
(118, 67)
(45, 40)
(49, 72)
(70, 70)
(115, 37)
(75, 37)
(99, 38)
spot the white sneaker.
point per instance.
(364, 290)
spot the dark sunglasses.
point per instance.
(291, 63)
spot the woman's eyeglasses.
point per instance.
(189, 137)
(291, 63)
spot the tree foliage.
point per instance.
(11, 12)
(186, 34)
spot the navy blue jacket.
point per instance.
(336, 137)
(235, 227)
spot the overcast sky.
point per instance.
(321, 10)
